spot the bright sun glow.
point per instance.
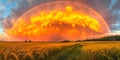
(59, 23)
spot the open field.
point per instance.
(92, 50)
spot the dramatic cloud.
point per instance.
(11, 10)
(100, 6)
(108, 9)
(115, 10)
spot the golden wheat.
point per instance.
(29, 51)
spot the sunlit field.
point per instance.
(89, 50)
(30, 51)
(102, 50)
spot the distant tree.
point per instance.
(29, 41)
(66, 41)
(25, 41)
(78, 40)
(106, 38)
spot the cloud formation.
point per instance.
(2, 9)
(109, 9)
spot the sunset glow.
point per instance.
(71, 21)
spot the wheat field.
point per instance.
(99, 50)
(102, 50)
(29, 51)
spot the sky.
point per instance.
(108, 9)
(5, 11)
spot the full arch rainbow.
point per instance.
(82, 10)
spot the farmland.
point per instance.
(89, 50)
